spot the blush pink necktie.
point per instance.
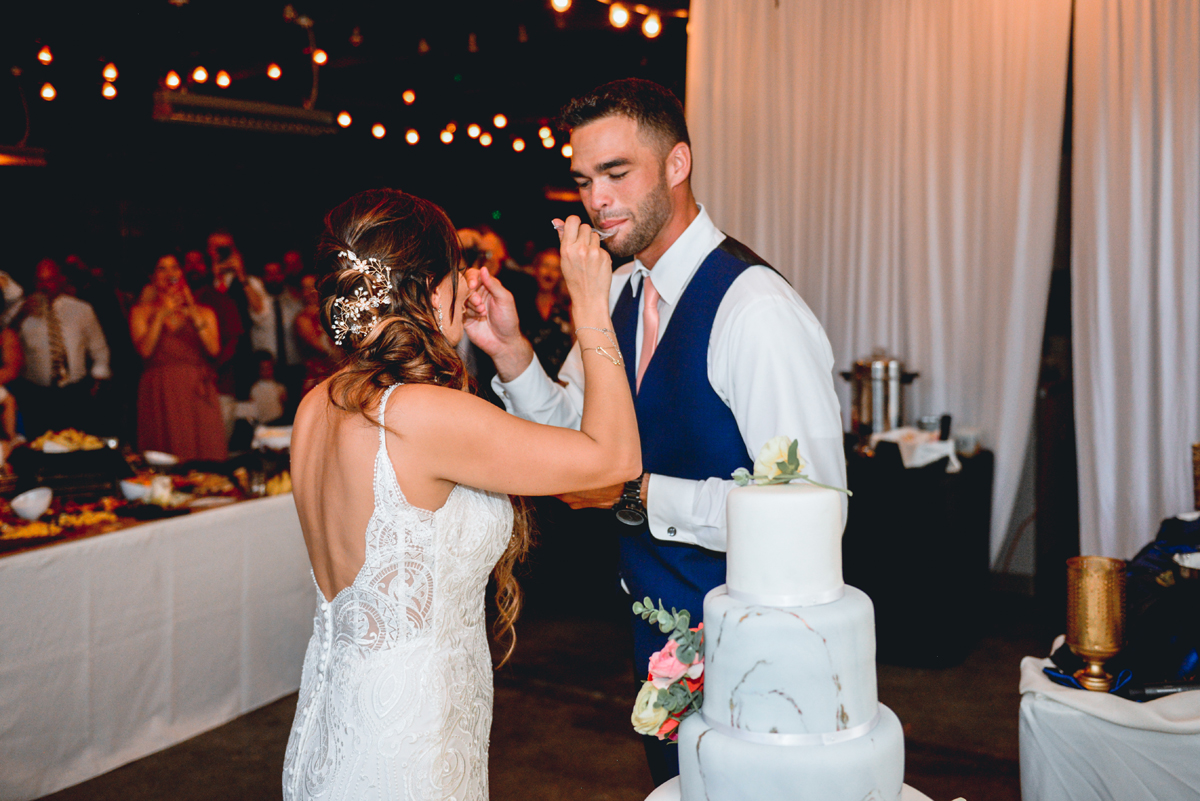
(649, 327)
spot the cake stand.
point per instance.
(670, 792)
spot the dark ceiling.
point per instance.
(122, 185)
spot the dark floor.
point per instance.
(562, 732)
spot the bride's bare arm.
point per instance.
(456, 437)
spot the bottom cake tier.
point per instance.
(715, 766)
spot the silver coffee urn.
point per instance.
(877, 394)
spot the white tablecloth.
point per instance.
(1088, 746)
(669, 791)
(117, 646)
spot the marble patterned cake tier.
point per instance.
(715, 766)
(799, 670)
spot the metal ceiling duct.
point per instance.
(219, 112)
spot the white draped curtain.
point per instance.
(1135, 267)
(898, 162)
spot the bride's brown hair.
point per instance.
(403, 343)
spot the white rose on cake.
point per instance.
(772, 454)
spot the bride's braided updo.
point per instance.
(395, 248)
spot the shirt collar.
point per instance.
(679, 263)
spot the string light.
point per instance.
(560, 5)
(518, 144)
(199, 75)
(446, 136)
(109, 72)
(223, 79)
(378, 131)
(473, 131)
(411, 136)
(567, 150)
(652, 26)
(173, 80)
(273, 71)
(48, 92)
(409, 97)
(544, 132)
(108, 90)
(499, 120)
(344, 119)
(548, 142)
(44, 55)
(320, 56)
(452, 127)
(485, 139)
(618, 15)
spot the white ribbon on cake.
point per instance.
(776, 738)
(765, 599)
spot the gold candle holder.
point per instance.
(1095, 616)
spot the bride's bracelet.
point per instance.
(618, 359)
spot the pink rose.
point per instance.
(665, 669)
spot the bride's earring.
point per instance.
(439, 311)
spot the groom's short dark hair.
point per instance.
(655, 109)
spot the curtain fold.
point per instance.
(898, 162)
(1135, 220)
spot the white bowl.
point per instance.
(134, 491)
(160, 459)
(32, 504)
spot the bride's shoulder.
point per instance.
(430, 403)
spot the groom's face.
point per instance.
(622, 182)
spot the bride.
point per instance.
(401, 478)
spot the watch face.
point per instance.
(630, 516)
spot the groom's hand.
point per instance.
(603, 498)
(492, 324)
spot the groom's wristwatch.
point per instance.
(629, 507)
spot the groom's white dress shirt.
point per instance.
(768, 360)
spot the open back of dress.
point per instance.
(396, 690)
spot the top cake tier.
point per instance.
(784, 545)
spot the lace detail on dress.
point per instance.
(396, 689)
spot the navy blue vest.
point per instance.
(687, 432)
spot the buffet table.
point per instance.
(117, 646)
(1088, 746)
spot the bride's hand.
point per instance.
(586, 267)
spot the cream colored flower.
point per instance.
(775, 451)
(647, 717)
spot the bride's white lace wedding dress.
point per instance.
(396, 692)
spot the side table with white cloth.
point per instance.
(117, 646)
(1078, 745)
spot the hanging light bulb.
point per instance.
(319, 56)
(544, 132)
(199, 75)
(44, 55)
(378, 131)
(223, 79)
(446, 136)
(518, 144)
(409, 97)
(499, 120)
(411, 136)
(273, 71)
(485, 139)
(548, 142)
(108, 90)
(173, 80)
(652, 26)
(109, 72)
(344, 119)
(618, 15)
(356, 37)
(48, 92)
(560, 5)
(452, 127)
(473, 131)
(567, 150)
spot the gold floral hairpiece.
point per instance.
(352, 315)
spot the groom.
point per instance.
(720, 351)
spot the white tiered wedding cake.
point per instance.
(790, 707)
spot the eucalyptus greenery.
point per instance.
(677, 626)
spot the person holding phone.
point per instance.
(178, 340)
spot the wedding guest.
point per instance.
(229, 324)
(319, 352)
(179, 341)
(11, 293)
(278, 336)
(267, 395)
(12, 363)
(550, 332)
(66, 356)
(248, 294)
